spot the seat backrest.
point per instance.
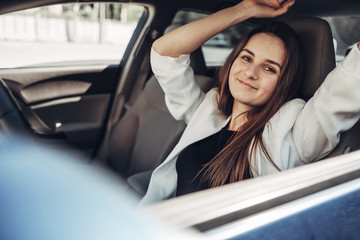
(147, 133)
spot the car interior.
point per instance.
(124, 125)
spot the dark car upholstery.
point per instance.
(318, 50)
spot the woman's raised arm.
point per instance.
(189, 37)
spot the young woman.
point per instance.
(249, 125)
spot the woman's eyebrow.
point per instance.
(267, 60)
(275, 63)
(248, 51)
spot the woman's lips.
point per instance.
(246, 84)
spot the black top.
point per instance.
(192, 159)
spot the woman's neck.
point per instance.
(238, 116)
(236, 122)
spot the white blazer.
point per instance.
(298, 133)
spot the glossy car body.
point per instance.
(83, 105)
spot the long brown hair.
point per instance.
(233, 161)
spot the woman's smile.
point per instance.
(247, 85)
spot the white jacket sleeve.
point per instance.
(334, 108)
(182, 94)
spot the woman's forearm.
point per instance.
(189, 37)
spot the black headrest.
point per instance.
(318, 49)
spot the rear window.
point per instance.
(346, 32)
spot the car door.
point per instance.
(314, 201)
(62, 63)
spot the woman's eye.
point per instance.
(270, 69)
(246, 58)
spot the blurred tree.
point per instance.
(113, 11)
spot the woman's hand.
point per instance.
(266, 8)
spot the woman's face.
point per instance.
(255, 72)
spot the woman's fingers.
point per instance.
(268, 8)
(284, 8)
(275, 4)
(271, 3)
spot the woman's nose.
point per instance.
(251, 72)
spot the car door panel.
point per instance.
(65, 103)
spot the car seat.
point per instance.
(147, 133)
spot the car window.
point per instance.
(67, 33)
(218, 48)
(346, 32)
